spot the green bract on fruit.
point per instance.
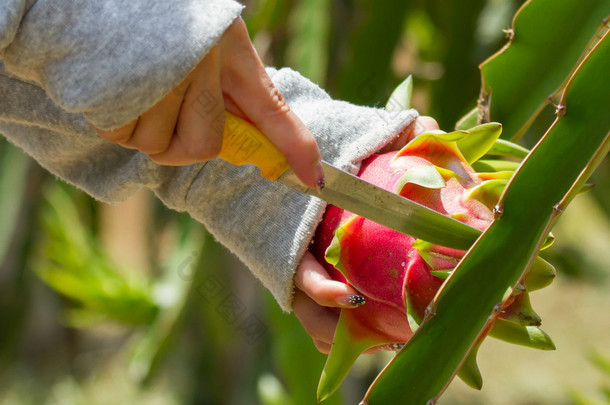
(400, 275)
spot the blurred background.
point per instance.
(136, 304)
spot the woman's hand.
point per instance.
(318, 298)
(186, 126)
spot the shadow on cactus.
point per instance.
(399, 275)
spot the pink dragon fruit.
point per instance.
(399, 275)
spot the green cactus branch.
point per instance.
(548, 39)
(604, 27)
(546, 181)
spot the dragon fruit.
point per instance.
(400, 275)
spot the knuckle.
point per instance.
(153, 148)
(115, 136)
(203, 146)
(150, 145)
(160, 159)
(277, 106)
(119, 135)
(206, 150)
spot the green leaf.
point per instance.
(412, 316)
(521, 312)
(485, 176)
(540, 275)
(434, 258)
(441, 136)
(400, 99)
(549, 38)
(586, 188)
(425, 175)
(550, 239)
(469, 370)
(488, 192)
(469, 120)
(443, 274)
(333, 251)
(495, 165)
(479, 140)
(290, 346)
(505, 148)
(541, 188)
(346, 348)
(529, 336)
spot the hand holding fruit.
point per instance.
(318, 297)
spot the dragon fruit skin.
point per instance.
(379, 261)
(398, 274)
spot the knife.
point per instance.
(243, 144)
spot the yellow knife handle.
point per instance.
(243, 143)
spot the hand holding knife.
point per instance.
(243, 144)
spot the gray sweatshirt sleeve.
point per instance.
(110, 59)
(267, 225)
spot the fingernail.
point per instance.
(319, 177)
(351, 301)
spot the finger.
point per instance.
(200, 123)
(314, 281)
(322, 347)
(118, 135)
(244, 79)
(232, 107)
(319, 322)
(155, 128)
(417, 127)
(425, 124)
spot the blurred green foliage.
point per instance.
(602, 363)
(192, 326)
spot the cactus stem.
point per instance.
(498, 211)
(430, 311)
(560, 110)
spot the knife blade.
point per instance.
(243, 144)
